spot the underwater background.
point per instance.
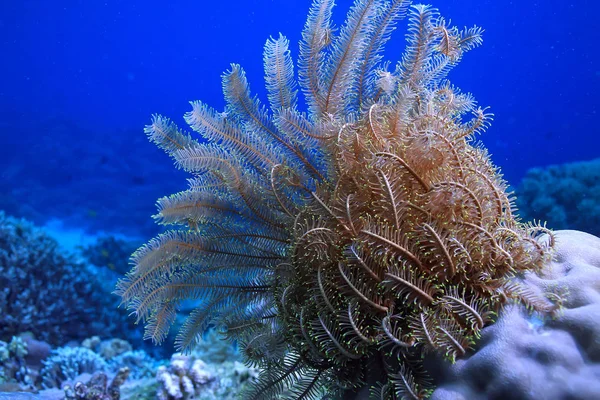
(79, 80)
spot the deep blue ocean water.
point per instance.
(80, 79)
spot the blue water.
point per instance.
(80, 79)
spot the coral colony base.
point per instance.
(340, 245)
(519, 356)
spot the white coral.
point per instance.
(525, 357)
(199, 372)
(183, 378)
(169, 385)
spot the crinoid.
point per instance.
(364, 232)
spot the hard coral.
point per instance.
(14, 372)
(113, 347)
(139, 363)
(110, 252)
(189, 377)
(43, 290)
(566, 196)
(67, 363)
(367, 232)
(528, 358)
(183, 379)
(98, 388)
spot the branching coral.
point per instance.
(45, 291)
(13, 368)
(67, 363)
(354, 237)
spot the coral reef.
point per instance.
(53, 296)
(367, 232)
(108, 349)
(188, 377)
(47, 292)
(97, 388)
(183, 379)
(214, 350)
(566, 196)
(18, 348)
(524, 357)
(37, 350)
(67, 363)
(107, 370)
(211, 371)
(232, 379)
(110, 252)
(92, 343)
(139, 363)
(14, 372)
(82, 373)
